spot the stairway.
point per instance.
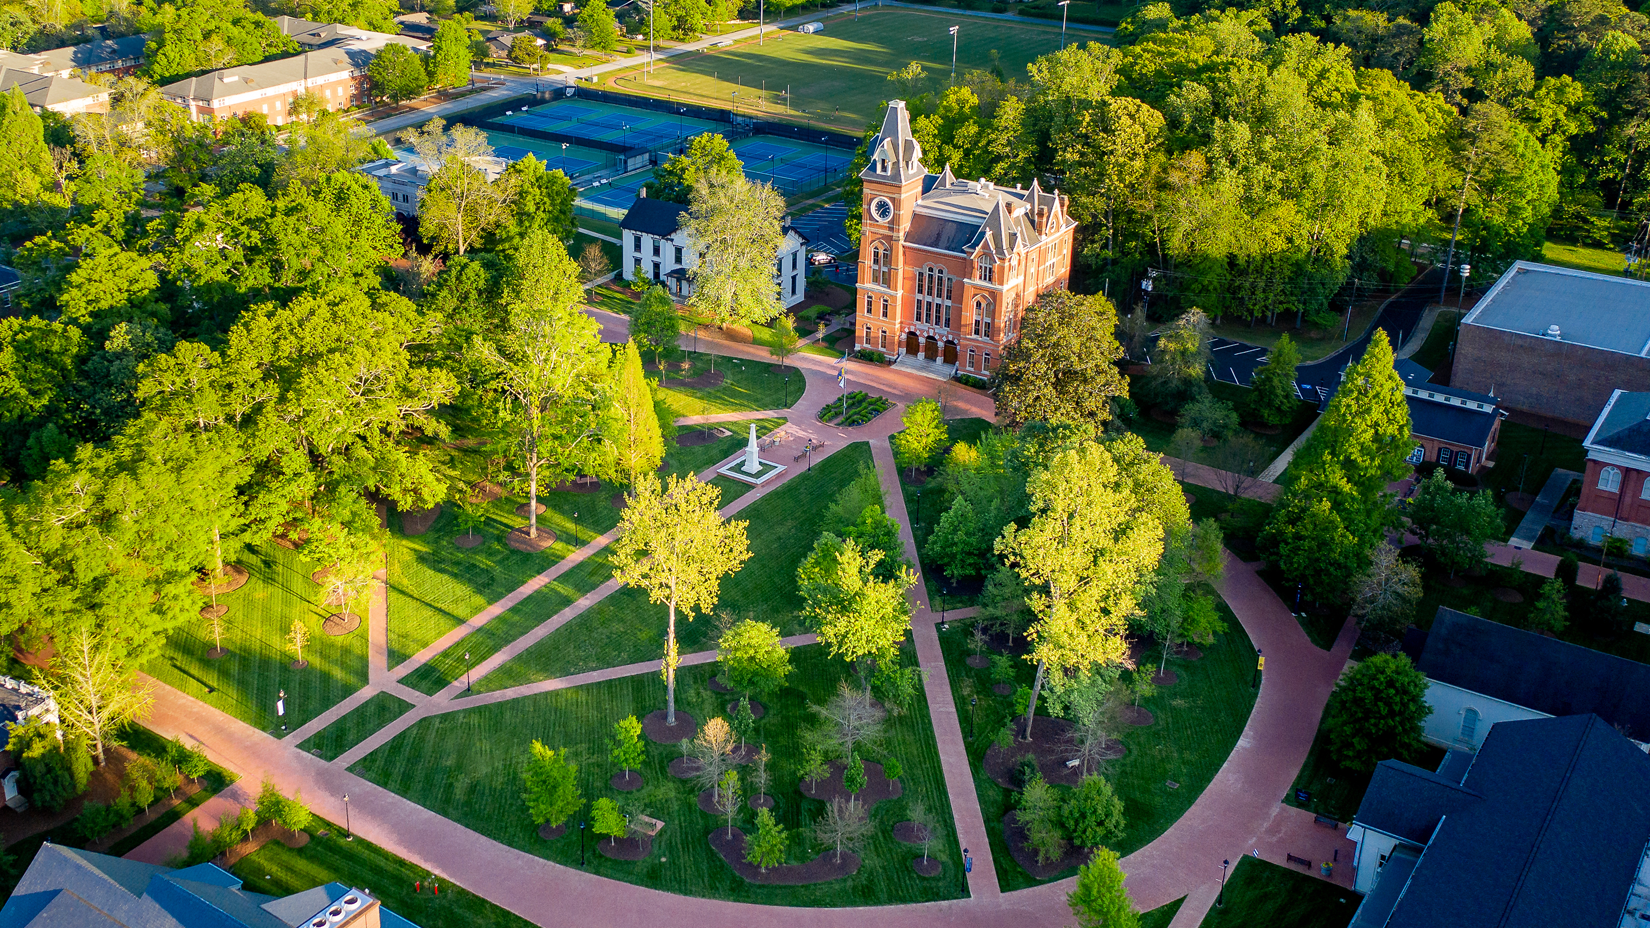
(917, 364)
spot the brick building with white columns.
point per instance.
(948, 265)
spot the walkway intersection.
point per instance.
(1239, 812)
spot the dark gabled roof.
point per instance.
(9, 278)
(1408, 802)
(1394, 875)
(1417, 377)
(653, 217)
(1536, 672)
(1454, 424)
(1556, 840)
(1624, 425)
(937, 232)
(92, 54)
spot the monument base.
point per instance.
(735, 469)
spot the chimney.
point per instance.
(641, 192)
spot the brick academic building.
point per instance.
(1556, 342)
(947, 266)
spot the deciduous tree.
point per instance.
(601, 30)
(1062, 365)
(842, 824)
(628, 749)
(735, 226)
(397, 73)
(1273, 397)
(96, 695)
(784, 338)
(707, 154)
(550, 786)
(1453, 525)
(1550, 613)
(1099, 900)
(460, 204)
(922, 437)
(753, 657)
(1385, 596)
(766, 848)
(607, 820)
(1093, 813)
(859, 618)
(655, 324)
(676, 546)
(450, 55)
(1375, 712)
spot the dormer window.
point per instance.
(986, 268)
(882, 166)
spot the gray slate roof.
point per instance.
(94, 54)
(1597, 310)
(1407, 802)
(45, 90)
(1623, 425)
(653, 217)
(1453, 424)
(1555, 839)
(1536, 672)
(242, 79)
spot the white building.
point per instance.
(403, 181)
(657, 249)
(19, 703)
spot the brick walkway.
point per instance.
(1238, 812)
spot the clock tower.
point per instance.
(893, 184)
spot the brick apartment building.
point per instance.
(946, 265)
(337, 76)
(1556, 342)
(1615, 489)
(51, 80)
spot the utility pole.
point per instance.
(953, 54)
(761, 14)
(1063, 11)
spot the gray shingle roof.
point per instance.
(653, 217)
(1623, 425)
(1453, 424)
(1536, 672)
(45, 90)
(94, 54)
(243, 79)
(1407, 802)
(1597, 310)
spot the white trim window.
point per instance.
(1469, 725)
(1609, 480)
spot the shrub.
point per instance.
(1376, 711)
(969, 380)
(1039, 815)
(1568, 567)
(550, 786)
(97, 820)
(1002, 668)
(53, 772)
(233, 829)
(200, 849)
(872, 355)
(1093, 813)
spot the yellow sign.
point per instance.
(1262, 664)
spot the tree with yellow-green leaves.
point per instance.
(1100, 514)
(674, 544)
(631, 426)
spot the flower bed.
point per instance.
(861, 408)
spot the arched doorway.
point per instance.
(931, 348)
(910, 343)
(950, 352)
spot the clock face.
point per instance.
(881, 209)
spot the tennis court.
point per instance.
(789, 165)
(605, 122)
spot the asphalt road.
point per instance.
(1399, 318)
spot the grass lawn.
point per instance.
(625, 628)
(1435, 352)
(246, 681)
(838, 77)
(1584, 258)
(1545, 450)
(1161, 916)
(1157, 434)
(615, 258)
(1314, 343)
(748, 386)
(278, 870)
(1261, 893)
(352, 729)
(1336, 791)
(480, 786)
(1198, 721)
(925, 510)
(578, 580)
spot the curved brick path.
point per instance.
(1238, 812)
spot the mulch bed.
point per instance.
(1519, 501)
(730, 843)
(718, 686)
(978, 661)
(910, 833)
(1166, 678)
(1051, 747)
(291, 537)
(341, 623)
(619, 501)
(522, 509)
(1022, 852)
(485, 491)
(757, 709)
(707, 802)
(1163, 415)
(419, 521)
(626, 785)
(926, 866)
(1187, 652)
(1002, 689)
(652, 368)
(298, 665)
(213, 654)
(877, 787)
(579, 484)
(701, 382)
(235, 577)
(1261, 428)
(683, 768)
(469, 540)
(697, 437)
(760, 801)
(1456, 582)
(551, 832)
(1137, 716)
(518, 540)
(262, 835)
(1507, 594)
(214, 611)
(636, 847)
(653, 725)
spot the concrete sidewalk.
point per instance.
(1541, 511)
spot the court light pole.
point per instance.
(1063, 4)
(761, 14)
(564, 157)
(954, 54)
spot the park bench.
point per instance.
(810, 446)
(1328, 822)
(1298, 860)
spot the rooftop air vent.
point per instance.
(1552, 331)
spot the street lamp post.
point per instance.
(1220, 899)
(348, 834)
(1461, 300)
(466, 671)
(761, 14)
(581, 844)
(954, 54)
(1063, 11)
(564, 157)
(972, 702)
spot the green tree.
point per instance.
(1039, 815)
(753, 658)
(323, 145)
(707, 154)
(1093, 813)
(397, 74)
(97, 695)
(631, 425)
(1550, 613)
(1385, 596)
(858, 617)
(922, 437)
(1062, 365)
(1375, 712)
(1209, 417)
(601, 30)
(1099, 899)
(54, 771)
(1180, 361)
(1273, 398)
(527, 52)
(960, 545)
(628, 749)
(511, 12)
(607, 820)
(766, 848)
(460, 205)
(543, 201)
(1454, 525)
(784, 338)
(1100, 513)
(546, 365)
(735, 225)
(654, 323)
(676, 546)
(550, 786)
(27, 175)
(449, 64)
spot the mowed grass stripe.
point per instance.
(466, 765)
(625, 627)
(378, 711)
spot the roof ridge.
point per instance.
(1547, 819)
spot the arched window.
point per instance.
(882, 339)
(867, 341)
(1469, 725)
(879, 265)
(1644, 491)
(1609, 479)
(885, 307)
(986, 268)
(867, 304)
(970, 359)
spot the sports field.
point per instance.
(838, 77)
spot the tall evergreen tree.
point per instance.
(27, 176)
(1273, 398)
(631, 425)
